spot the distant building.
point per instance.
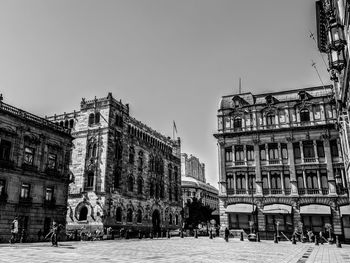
(193, 183)
(127, 175)
(281, 152)
(34, 172)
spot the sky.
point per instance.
(170, 60)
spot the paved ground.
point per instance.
(173, 250)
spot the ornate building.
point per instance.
(193, 183)
(126, 174)
(280, 162)
(34, 172)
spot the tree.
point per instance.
(198, 213)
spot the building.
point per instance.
(34, 172)
(193, 183)
(126, 174)
(280, 163)
(333, 39)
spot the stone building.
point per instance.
(280, 163)
(193, 182)
(126, 174)
(34, 172)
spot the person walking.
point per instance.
(14, 230)
(54, 233)
(227, 233)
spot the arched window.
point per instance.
(66, 124)
(176, 194)
(97, 117)
(131, 155)
(311, 180)
(140, 164)
(90, 179)
(176, 219)
(170, 172)
(83, 213)
(91, 118)
(240, 181)
(151, 189)
(304, 115)
(117, 178)
(139, 216)
(94, 150)
(275, 181)
(175, 174)
(129, 215)
(237, 123)
(270, 119)
(118, 214)
(130, 184)
(71, 124)
(170, 219)
(61, 123)
(139, 185)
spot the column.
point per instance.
(343, 178)
(246, 182)
(279, 153)
(330, 172)
(243, 123)
(245, 154)
(269, 179)
(277, 120)
(282, 182)
(222, 170)
(233, 155)
(304, 179)
(234, 181)
(339, 148)
(315, 149)
(258, 183)
(301, 151)
(293, 180)
(319, 181)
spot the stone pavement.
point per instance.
(173, 250)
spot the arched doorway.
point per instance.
(156, 221)
(83, 213)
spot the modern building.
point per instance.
(281, 164)
(333, 39)
(34, 172)
(193, 183)
(126, 174)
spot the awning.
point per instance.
(277, 209)
(315, 210)
(345, 210)
(240, 208)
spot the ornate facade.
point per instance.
(126, 174)
(280, 163)
(34, 172)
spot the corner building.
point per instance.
(34, 173)
(126, 174)
(280, 163)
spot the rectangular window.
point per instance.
(334, 148)
(250, 152)
(5, 150)
(239, 153)
(29, 155)
(25, 190)
(317, 112)
(49, 194)
(2, 187)
(227, 122)
(284, 151)
(228, 154)
(308, 148)
(262, 152)
(296, 149)
(320, 149)
(282, 116)
(52, 159)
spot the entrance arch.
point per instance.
(83, 213)
(156, 221)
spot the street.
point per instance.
(173, 250)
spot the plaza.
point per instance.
(174, 250)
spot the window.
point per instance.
(176, 194)
(2, 187)
(169, 172)
(250, 152)
(275, 181)
(117, 175)
(284, 151)
(118, 214)
(273, 151)
(151, 189)
(320, 149)
(90, 179)
(5, 150)
(296, 149)
(176, 219)
(170, 219)
(317, 112)
(262, 152)
(286, 180)
(175, 175)
(324, 179)
(270, 119)
(300, 179)
(71, 124)
(308, 148)
(91, 118)
(66, 124)
(229, 178)
(304, 115)
(140, 160)
(237, 123)
(49, 194)
(139, 216)
(239, 153)
(119, 120)
(83, 213)
(282, 115)
(130, 184)
(139, 185)
(170, 194)
(227, 122)
(97, 118)
(52, 159)
(334, 148)
(228, 154)
(29, 155)
(25, 191)
(131, 155)
(118, 150)
(311, 180)
(129, 215)
(241, 182)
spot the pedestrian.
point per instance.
(321, 237)
(14, 230)
(227, 233)
(40, 234)
(54, 233)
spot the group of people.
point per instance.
(309, 236)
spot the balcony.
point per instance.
(239, 163)
(29, 167)
(230, 191)
(266, 191)
(26, 201)
(241, 191)
(251, 191)
(301, 191)
(276, 191)
(274, 161)
(325, 191)
(342, 191)
(287, 191)
(310, 160)
(313, 191)
(52, 172)
(7, 164)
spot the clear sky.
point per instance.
(170, 60)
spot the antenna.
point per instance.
(240, 86)
(312, 36)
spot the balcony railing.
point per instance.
(274, 161)
(276, 191)
(313, 191)
(230, 191)
(325, 191)
(287, 191)
(342, 191)
(241, 191)
(238, 163)
(52, 172)
(50, 203)
(29, 167)
(301, 191)
(251, 191)
(310, 160)
(266, 191)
